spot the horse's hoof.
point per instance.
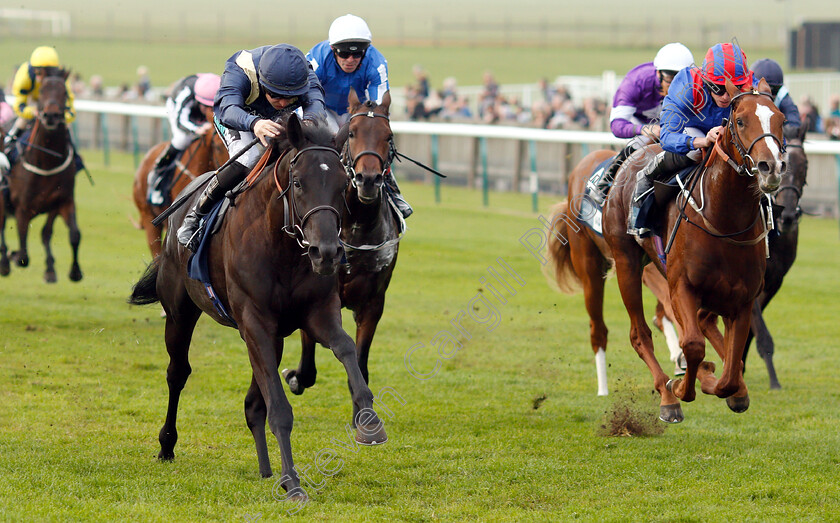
(775, 385)
(371, 434)
(75, 274)
(166, 455)
(738, 404)
(671, 413)
(49, 277)
(291, 379)
(5, 269)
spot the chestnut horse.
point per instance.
(370, 234)
(273, 267)
(715, 266)
(206, 153)
(786, 214)
(43, 181)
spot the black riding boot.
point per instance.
(598, 191)
(660, 168)
(156, 177)
(11, 139)
(225, 180)
(394, 192)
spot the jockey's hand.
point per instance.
(651, 130)
(205, 128)
(266, 130)
(710, 138)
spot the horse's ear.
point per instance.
(731, 89)
(341, 136)
(353, 101)
(294, 131)
(386, 102)
(763, 86)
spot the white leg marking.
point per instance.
(671, 338)
(601, 367)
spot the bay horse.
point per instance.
(273, 268)
(43, 181)
(370, 233)
(715, 266)
(205, 153)
(782, 248)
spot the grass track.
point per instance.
(84, 394)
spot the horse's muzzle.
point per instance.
(325, 258)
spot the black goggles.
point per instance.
(291, 99)
(347, 54)
(720, 90)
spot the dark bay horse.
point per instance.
(206, 153)
(715, 266)
(786, 214)
(370, 232)
(43, 181)
(273, 266)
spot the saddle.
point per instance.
(656, 201)
(590, 212)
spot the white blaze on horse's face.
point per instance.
(764, 114)
(324, 167)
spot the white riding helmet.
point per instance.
(673, 57)
(349, 28)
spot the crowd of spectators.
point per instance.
(552, 108)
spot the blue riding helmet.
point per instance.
(284, 71)
(770, 70)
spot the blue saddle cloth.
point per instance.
(589, 212)
(198, 267)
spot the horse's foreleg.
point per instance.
(5, 267)
(46, 236)
(709, 327)
(264, 351)
(590, 266)
(255, 415)
(367, 318)
(324, 324)
(731, 384)
(68, 213)
(21, 256)
(692, 341)
(178, 336)
(629, 273)
(763, 342)
(303, 377)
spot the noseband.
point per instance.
(744, 152)
(293, 223)
(350, 162)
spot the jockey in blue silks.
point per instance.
(255, 87)
(348, 60)
(692, 115)
(772, 72)
(636, 106)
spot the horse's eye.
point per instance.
(739, 122)
(351, 134)
(296, 183)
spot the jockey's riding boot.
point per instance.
(165, 159)
(5, 167)
(225, 180)
(394, 192)
(598, 191)
(155, 181)
(660, 168)
(11, 138)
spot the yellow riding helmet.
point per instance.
(44, 56)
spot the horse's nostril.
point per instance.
(314, 252)
(764, 167)
(783, 168)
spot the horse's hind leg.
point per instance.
(591, 268)
(68, 212)
(178, 336)
(303, 377)
(21, 256)
(46, 236)
(255, 415)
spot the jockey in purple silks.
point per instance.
(636, 106)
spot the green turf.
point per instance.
(84, 394)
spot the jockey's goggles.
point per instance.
(347, 54)
(291, 99)
(720, 90)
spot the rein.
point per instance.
(290, 211)
(38, 170)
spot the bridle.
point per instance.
(349, 161)
(293, 223)
(742, 169)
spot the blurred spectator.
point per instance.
(7, 115)
(540, 114)
(414, 108)
(835, 107)
(832, 123)
(489, 93)
(144, 84)
(808, 110)
(450, 87)
(78, 85)
(97, 87)
(422, 81)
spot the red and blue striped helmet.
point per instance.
(726, 61)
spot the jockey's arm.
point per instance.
(21, 89)
(70, 111)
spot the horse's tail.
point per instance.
(559, 271)
(145, 290)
